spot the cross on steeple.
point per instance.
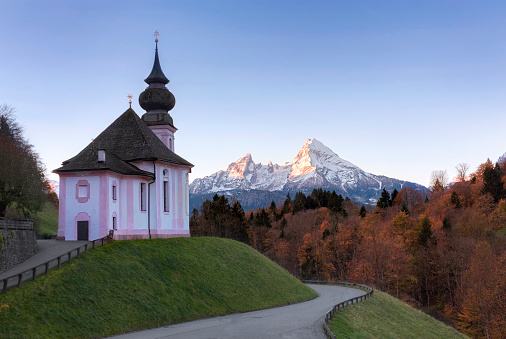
(130, 99)
(156, 36)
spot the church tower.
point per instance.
(157, 101)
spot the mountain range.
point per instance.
(314, 166)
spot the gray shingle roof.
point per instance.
(127, 139)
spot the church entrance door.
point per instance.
(82, 230)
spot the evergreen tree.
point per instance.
(384, 201)
(424, 232)
(447, 225)
(455, 200)
(404, 208)
(335, 202)
(241, 229)
(273, 210)
(299, 202)
(363, 211)
(492, 183)
(394, 194)
(262, 219)
(283, 225)
(287, 205)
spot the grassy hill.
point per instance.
(46, 221)
(133, 285)
(384, 316)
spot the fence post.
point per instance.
(20, 279)
(59, 261)
(70, 256)
(47, 267)
(4, 288)
(33, 273)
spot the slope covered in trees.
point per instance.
(444, 254)
(22, 179)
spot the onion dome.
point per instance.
(156, 99)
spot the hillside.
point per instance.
(384, 316)
(132, 285)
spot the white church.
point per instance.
(129, 179)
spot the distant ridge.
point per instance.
(314, 166)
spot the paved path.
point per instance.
(303, 320)
(48, 249)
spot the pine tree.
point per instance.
(384, 201)
(492, 183)
(394, 194)
(287, 205)
(455, 200)
(404, 208)
(424, 231)
(363, 211)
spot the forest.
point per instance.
(444, 253)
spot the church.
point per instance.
(129, 178)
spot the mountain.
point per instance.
(314, 166)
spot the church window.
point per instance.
(114, 195)
(166, 196)
(114, 225)
(143, 196)
(83, 191)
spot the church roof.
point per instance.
(127, 139)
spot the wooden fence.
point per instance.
(330, 314)
(30, 274)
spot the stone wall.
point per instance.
(16, 224)
(17, 242)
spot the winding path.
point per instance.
(303, 320)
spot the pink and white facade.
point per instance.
(111, 201)
(128, 179)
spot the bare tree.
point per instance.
(462, 170)
(438, 180)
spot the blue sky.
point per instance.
(399, 88)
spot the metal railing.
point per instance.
(330, 314)
(17, 280)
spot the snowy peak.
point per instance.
(244, 167)
(315, 155)
(302, 164)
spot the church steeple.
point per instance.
(156, 99)
(156, 75)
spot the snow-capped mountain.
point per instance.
(314, 166)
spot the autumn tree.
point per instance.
(438, 180)
(462, 170)
(483, 294)
(22, 180)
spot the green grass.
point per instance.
(132, 285)
(46, 221)
(383, 316)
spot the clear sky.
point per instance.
(399, 88)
